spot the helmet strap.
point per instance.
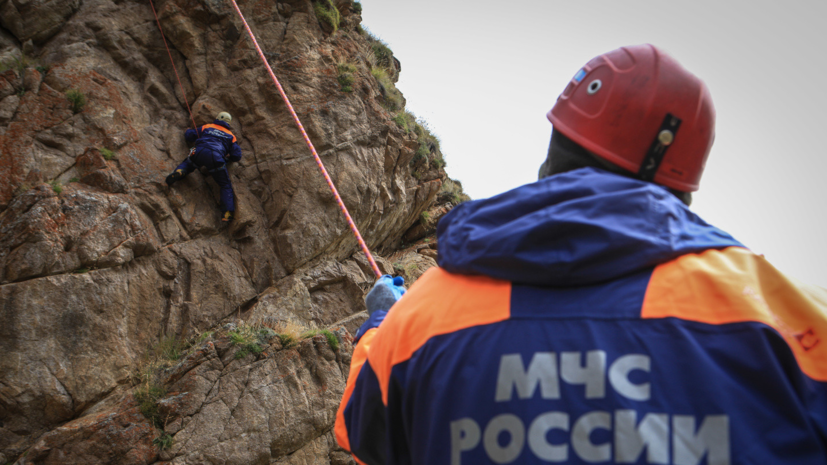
(663, 139)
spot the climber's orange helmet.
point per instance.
(639, 109)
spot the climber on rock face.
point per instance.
(214, 148)
(591, 316)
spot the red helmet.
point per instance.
(637, 108)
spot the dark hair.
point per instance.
(566, 155)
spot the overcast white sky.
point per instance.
(484, 74)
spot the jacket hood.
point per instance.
(575, 228)
(223, 124)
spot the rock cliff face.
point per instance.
(100, 260)
(219, 407)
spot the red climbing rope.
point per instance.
(312, 149)
(184, 94)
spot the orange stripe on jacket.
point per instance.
(438, 303)
(735, 285)
(360, 354)
(222, 129)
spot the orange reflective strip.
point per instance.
(438, 303)
(735, 285)
(360, 354)
(224, 130)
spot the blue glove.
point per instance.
(385, 293)
(379, 300)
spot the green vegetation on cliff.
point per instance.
(384, 67)
(346, 76)
(327, 13)
(77, 99)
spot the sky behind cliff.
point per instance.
(484, 75)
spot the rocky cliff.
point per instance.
(101, 263)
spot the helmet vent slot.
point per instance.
(594, 86)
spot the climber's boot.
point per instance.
(228, 216)
(176, 175)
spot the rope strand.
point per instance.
(184, 94)
(350, 221)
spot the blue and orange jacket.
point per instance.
(216, 137)
(591, 318)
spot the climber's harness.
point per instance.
(192, 160)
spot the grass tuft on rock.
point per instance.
(18, 63)
(451, 191)
(346, 76)
(56, 186)
(236, 338)
(383, 53)
(327, 13)
(148, 394)
(332, 340)
(346, 81)
(107, 154)
(393, 99)
(289, 332)
(406, 121)
(287, 341)
(164, 441)
(203, 337)
(429, 144)
(148, 377)
(150, 389)
(77, 99)
(249, 338)
(169, 348)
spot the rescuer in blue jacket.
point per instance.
(214, 148)
(591, 317)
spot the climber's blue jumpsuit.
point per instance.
(591, 318)
(215, 146)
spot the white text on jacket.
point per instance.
(505, 436)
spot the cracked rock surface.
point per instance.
(100, 260)
(275, 407)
